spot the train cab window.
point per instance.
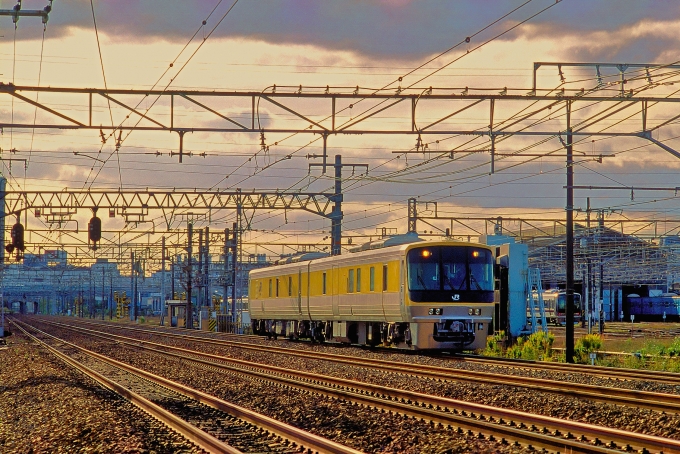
(371, 279)
(277, 287)
(290, 285)
(384, 280)
(358, 280)
(350, 282)
(449, 268)
(270, 288)
(323, 284)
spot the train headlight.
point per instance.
(478, 311)
(474, 311)
(435, 311)
(471, 311)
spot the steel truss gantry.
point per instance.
(448, 103)
(125, 201)
(60, 208)
(634, 251)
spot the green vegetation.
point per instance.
(585, 346)
(494, 344)
(537, 346)
(661, 354)
(651, 354)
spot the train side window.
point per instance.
(384, 278)
(270, 288)
(290, 285)
(350, 282)
(323, 284)
(371, 279)
(358, 280)
(277, 287)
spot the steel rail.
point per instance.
(300, 437)
(640, 399)
(204, 440)
(670, 378)
(437, 409)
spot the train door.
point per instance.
(335, 289)
(299, 292)
(402, 291)
(383, 290)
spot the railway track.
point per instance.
(627, 397)
(211, 423)
(509, 426)
(670, 378)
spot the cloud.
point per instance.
(394, 29)
(644, 41)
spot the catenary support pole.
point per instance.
(162, 298)
(188, 319)
(569, 332)
(336, 219)
(206, 270)
(234, 259)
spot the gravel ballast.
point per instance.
(49, 407)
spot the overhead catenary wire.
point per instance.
(106, 86)
(171, 65)
(467, 39)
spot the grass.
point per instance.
(647, 346)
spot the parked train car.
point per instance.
(434, 295)
(555, 303)
(652, 308)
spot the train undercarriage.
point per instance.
(448, 334)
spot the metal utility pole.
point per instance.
(163, 252)
(110, 296)
(133, 316)
(103, 290)
(336, 214)
(234, 272)
(600, 226)
(569, 332)
(137, 303)
(587, 293)
(199, 274)
(189, 322)
(226, 271)
(206, 269)
(91, 305)
(172, 279)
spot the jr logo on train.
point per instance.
(434, 295)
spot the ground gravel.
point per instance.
(364, 429)
(505, 396)
(48, 407)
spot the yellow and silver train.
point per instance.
(425, 295)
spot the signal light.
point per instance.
(94, 231)
(17, 236)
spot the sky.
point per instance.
(346, 43)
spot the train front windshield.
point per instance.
(446, 273)
(562, 303)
